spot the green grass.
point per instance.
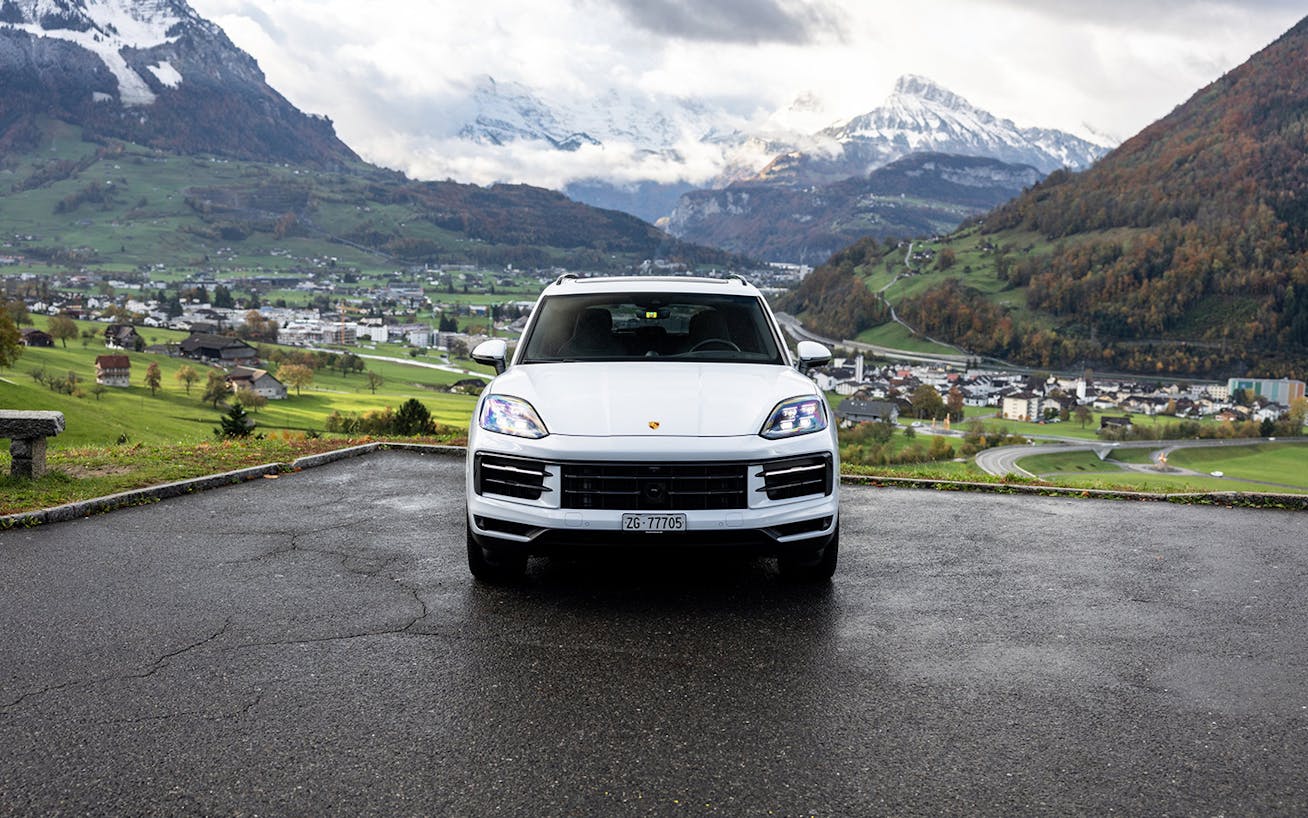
(1169, 483)
(1246, 468)
(1060, 462)
(1285, 463)
(895, 336)
(1139, 457)
(172, 416)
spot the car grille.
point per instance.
(510, 477)
(658, 486)
(797, 477)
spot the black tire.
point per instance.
(495, 564)
(812, 566)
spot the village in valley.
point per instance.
(884, 392)
(446, 312)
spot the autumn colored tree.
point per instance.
(62, 327)
(251, 399)
(215, 388)
(153, 377)
(296, 375)
(374, 380)
(954, 403)
(187, 376)
(10, 340)
(926, 402)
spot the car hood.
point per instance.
(682, 398)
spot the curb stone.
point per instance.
(153, 494)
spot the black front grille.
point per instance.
(797, 477)
(510, 477)
(654, 486)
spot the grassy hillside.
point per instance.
(172, 416)
(69, 203)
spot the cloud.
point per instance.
(396, 75)
(1138, 15)
(734, 21)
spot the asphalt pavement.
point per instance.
(313, 645)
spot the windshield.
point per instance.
(651, 327)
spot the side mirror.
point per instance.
(812, 354)
(492, 353)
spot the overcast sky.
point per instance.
(392, 73)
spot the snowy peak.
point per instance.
(508, 112)
(921, 115)
(106, 28)
(147, 71)
(923, 88)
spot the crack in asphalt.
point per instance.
(153, 668)
(239, 712)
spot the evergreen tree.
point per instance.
(412, 418)
(235, 423)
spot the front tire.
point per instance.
(812, 566)
(495, 564)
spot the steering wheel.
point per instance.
(707, 342)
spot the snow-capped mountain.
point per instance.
(921, 116)
(152, 71)
(506, 112)
(657, 143)
(107, 28)
(841, 163)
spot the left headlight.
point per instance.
(796, 416)
(511, 416)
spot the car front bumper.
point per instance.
(762, 520)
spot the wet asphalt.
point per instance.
(313, 645)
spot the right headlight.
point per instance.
(511, 416)
(796, 416)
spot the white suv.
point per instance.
(652, 411)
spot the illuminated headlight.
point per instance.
(511, 416)
(796, 416)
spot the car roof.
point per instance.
(573, 285)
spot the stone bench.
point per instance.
(27, 432)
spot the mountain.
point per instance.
(921, 194)
(641, 148)
(921, 116)
(1185, 250)
(508, 112)
(808, 202)
(151, 72)
(133, 132)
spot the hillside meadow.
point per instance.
(173, 416)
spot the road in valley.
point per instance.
(1003, 460)
(313, 645)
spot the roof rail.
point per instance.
(739, 278)
(561, 278)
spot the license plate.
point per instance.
(653, 522)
